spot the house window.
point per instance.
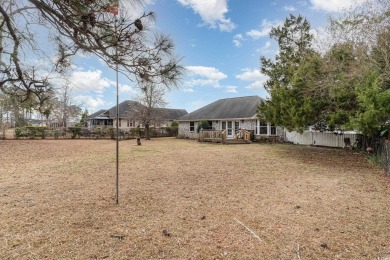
(128, 122)
(192, 126)
(263, 128)
(120, 122)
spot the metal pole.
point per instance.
(117, 119)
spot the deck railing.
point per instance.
(214, 136)
(246, 135)
(224, 137)
(220, 136)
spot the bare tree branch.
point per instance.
(82, 25)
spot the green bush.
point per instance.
(175, 125)
(56, 134)
(36, 131)
(172, 131)
(375, 159)
(203, 125)
(75, 131)
(112, 132)
(20, 132)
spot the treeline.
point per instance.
(343, 85)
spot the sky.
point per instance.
(220, 42)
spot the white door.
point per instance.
(229, 127)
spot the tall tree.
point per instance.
(83, 25)
(17, 42)
(372, 114)
(361, 36)
(84, 118)
(288, 104)
(345, 88)
(151, 99)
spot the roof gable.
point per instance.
(97, 114)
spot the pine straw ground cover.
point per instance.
(183, 200)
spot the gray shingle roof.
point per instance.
(172, 114)
(96, 114)
(228, 108)
(129, 105)
(124, 108)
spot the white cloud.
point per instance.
(92, 104)
(265, 29)
(334, 5)
(188, 90)
(126, 89)
(254, 76)
(289, 8)
(237, 39)
(231, 89)
(203, 83)
(249, 75)
(259, 84)
(212, 12)
(204, 76)
(209, 72)
(90, 81)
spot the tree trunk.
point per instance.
(147, 137)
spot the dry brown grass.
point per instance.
(57, 201)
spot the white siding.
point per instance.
(184, 127)
(319, 138)
(184, 130)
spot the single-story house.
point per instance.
(130, 116)
(169, 115)
(228, 114)
(99, 118)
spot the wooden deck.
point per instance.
(219, 136)
(237, 141)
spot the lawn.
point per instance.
(183, 200)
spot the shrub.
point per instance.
(36, 131)
(19, 132)
(375, 159)
(203, 125)
(175, 124)
(75, 131)
(172, 131)
(112, 132)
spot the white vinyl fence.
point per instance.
(319, 138)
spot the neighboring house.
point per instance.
(129, 116)
(168, 115)
(228, 114)
(99, 118)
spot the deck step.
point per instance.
(236, 141)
